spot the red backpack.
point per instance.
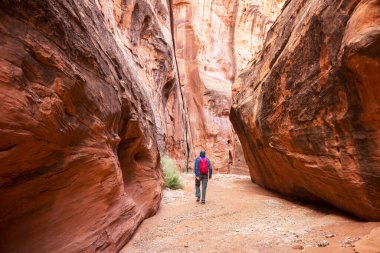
(203, 166)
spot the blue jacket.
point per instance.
(196, 166)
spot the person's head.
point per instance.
(203, 153)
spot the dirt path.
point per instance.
(242, 217)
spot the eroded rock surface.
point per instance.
(144, 29)
(308, 110)
(88, 91)
(214, 39)
(253, 19)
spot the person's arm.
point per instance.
(196, 169)
(209, 168)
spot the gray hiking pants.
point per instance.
(204, 180)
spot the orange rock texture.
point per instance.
(213, 40)
(88, 91)
(308, 112)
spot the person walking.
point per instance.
(203, 172)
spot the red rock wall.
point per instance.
(307, 114)
(89, 95)
(253, 18)
(212, 39)
(144, 29)
(252, 22)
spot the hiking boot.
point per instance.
(203, 202)
(198, 199)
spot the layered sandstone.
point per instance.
(214, 39)
(89, 97)
(307, 114)
(252, 21)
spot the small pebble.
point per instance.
(323, 243)
(349, 242)
(330, 235)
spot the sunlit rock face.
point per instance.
(307, 114)
(253, 20)
(89, 97)
(214, 39)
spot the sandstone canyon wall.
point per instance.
(214, 39)
(89, 97)
(308, 112)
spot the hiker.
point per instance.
(203, 172)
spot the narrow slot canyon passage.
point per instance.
(106, 104)
(214, 43)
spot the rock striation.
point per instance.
(252, 21)
(307, 113)
(89, 99)
(213, 40)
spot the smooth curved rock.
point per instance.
(79, 139)
(307, 114)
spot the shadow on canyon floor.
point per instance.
(242, 217)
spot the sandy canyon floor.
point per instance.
(242, 217)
